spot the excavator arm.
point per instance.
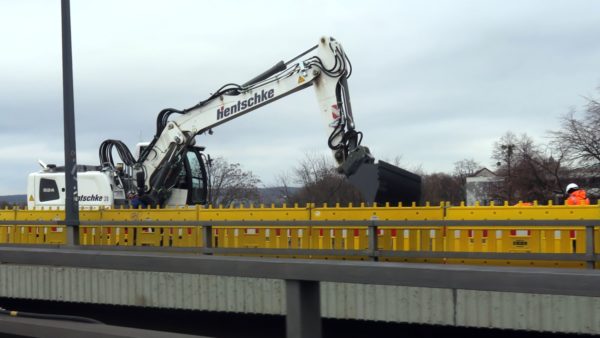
(326, 68)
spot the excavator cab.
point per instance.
(196, 176)
(191, 184)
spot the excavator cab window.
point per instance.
(190, 175)
(195, 176)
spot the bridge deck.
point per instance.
(552, 300)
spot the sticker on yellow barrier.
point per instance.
(520, 243)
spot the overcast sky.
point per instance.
(433, 82)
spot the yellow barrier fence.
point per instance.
(520, 239)
(329, 234)
(259, 236)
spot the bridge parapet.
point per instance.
(547, 300)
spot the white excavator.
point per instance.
(172, 171)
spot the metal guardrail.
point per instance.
(302, 277)
(483, 278)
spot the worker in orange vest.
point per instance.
(577, 196)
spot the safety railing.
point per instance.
(517, 242)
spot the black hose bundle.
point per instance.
(105, 153)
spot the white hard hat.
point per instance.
(571, 186)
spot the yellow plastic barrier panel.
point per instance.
(332, 235)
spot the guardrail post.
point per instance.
(303, 309)
(590, 252)
(373, 253)
(72, 227)
(206, 238)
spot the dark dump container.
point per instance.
(383, 182)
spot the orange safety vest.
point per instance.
(578, 197)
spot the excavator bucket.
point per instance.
(382, 182)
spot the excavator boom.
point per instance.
(164, 173)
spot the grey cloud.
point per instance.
(434, 82)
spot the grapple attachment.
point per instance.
(382, 182)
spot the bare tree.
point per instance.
(281, 192)
(581, 137)
(440, 187)
(530, 172)
(229, 184)
(319, 182)
(444, 187)
(463, 169)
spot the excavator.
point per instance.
(171, 170)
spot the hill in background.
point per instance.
(14, 199)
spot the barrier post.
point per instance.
(590, 254)
(206, 238)
(373, 254)
(303, 309)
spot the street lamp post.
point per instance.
(508, 150)
(71, 194)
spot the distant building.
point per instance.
(481, 185)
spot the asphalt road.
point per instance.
(226, 325)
